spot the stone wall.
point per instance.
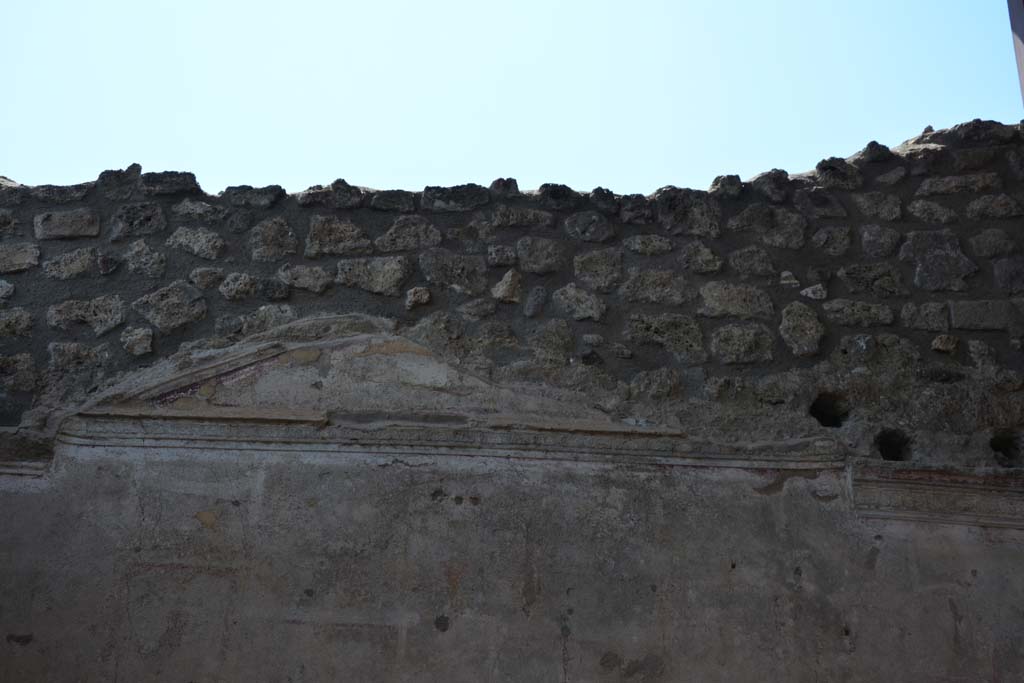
(875, 298)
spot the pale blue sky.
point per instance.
(401, 93)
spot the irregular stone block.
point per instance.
(102, 314)
(635, 209)
(648, 245)
(253, 197)
(380, 275)
(600, 269)
(555, 197)
(463, 273)
(1009, 274)
(879, 242)
(393, 200)
(238, 286)
(73, 357)
(882, 279)
(266, 317)
(7, 222)
(724, 299)
(6, 291)
(945, 343)
(773, 185)
(692, 212)
(195, 210)
(171, 307)
(816, 202)
(144, 261)
(742, 343)
(15, 322)
(458, 198)
(206, 278)
(959, 184)
(56, 225)
(892, 177)
(788, 230)
(994, 206)
(680, 334)
(136, 220)
(589, 226)
(501, 255)
(931, 316)
(838, 173)
(18, 372)
(931, 212)
(884, 207)
(311, 278)
(417, 296)
(338, 195)
(509, 288)
(535, 300)
(138, 341)
(997, 314)
(272, 240)
(726, 186)
(169, 182)
(939, 262)
(858, 313)
(801, 329)
(752, 261)
(504, 187)
(329, 235)
(993, 242)
(655, 287)
(579, 303)
(540, 255)
(696, 257)
(73, 264)
(832, 240)
(201, 242)
(409, 232)
(604, 200)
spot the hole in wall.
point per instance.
(1005, 445)
(829, 409)
(893, 445)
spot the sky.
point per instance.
(631, 96)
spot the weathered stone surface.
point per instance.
(974, 183)
(788, 230)
(171, 307)
(196, 210)
(752, 261)
(407, 233)
(18, 372)
(832, 240)
(878, 241)
(773, 184)
(801, 329)
(892, 177)
(266, 317)
(557, 197)
(945, 343)
(6, 291)
(477, 309)
(816, 202)
(138, 341)
(696, 257)
(655, 287)
(788, 279)
(15, 322)
(144, 261)
(993, 242)
(503, 217)
(504, 187)
(998, 314)
(60, 194)
(579, 303)
(72, 357)
(55, 225)
(858, 313)
(417, 296)
(330, 235)
(458, 198)
(648, 245)
(136, 220)
(600, 269)
(884, 207)
(635, 209)
(932, 316)
(589, 226)
(759, 217)
(253, 197)
(169, 182)
(463, 273)
(724, 299)
(939, 262)
(679, 334)
(201, 242)
(338, 195)
(931, 212)
(535, 300)
(656, 384)
(206, 278)
(816, 292)
(102, 314)
(691, 212)
(881, 279)
(604, 200)
(380, 275)
(726, 186)
(311, 278)
(393, 200)
(838, 173)
(509, 288)
(540, 255)
(742, 343)
(238, 286)
(73, 264)
(501, 255)
(8, 223)
(1009, 274)
(272, 240)
(994, 206)
(272, 289)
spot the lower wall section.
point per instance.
(179, 564)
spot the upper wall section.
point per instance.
(874, 296)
